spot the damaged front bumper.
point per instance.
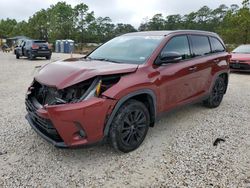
(43, 134)
(70, 125)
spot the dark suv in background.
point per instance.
(120, 89)
(33, 49)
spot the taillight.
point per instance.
(34, 46)
(49, 46)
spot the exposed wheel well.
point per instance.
(225, 78)
(149, 103)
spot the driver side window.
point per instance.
(180, 45)
(23, 44)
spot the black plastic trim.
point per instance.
(57, 144)
(124, 99)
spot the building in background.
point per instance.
(14, 41)
(2, 40)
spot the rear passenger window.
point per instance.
(178, 44)
(200, 45)
(216, 45)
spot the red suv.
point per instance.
(116, 92)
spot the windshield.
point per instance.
(127, 49)
(244, 49)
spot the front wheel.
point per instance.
(30, 56)
(130, 126)
(48, 57)
(217, 94)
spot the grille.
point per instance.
(45, 94)
(44, 125)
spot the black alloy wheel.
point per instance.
(130, 126)
(217, 94)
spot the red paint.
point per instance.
(243, 59)
(240, 57)
(173, 85)
(62, 74)
(91, 114)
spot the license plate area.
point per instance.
(236, 65)
(43, 52)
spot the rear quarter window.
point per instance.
(39, 41)
(200, 45)
(216, 45)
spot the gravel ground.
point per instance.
(177, 152)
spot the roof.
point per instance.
(167, 32)
(244, 45)
(18, 37)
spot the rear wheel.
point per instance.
(17, 55)
(130, 126)
(217, 94)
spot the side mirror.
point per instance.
(169, 57)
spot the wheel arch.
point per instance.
(225, 77)
(147, 96)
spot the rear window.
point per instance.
(200, 45)
(39, 41)
(216, 45)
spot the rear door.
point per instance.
(177, 80)
(203, 63)
(26, 48)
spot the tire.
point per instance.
(30, 56)
(17, 56)
(130, 126)
(217, 94)
(48, 57)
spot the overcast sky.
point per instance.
(125, 11)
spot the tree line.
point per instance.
(62, 21)
(232, 23)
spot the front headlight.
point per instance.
(87, 89)
(93, 87)
(94, 90)
(100, 85)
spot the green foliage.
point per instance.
(7, 26)
(235, 27)
(38, 25)
(233, 23)
(62, 21)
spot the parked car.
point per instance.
(240, 60)
(119, 90)
(33, 49)
(6, 48)
(18, 45)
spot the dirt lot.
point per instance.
(177, 152)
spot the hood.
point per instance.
(240, 57)
(63, 74)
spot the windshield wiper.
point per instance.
(103, 59)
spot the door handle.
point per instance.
(192, 68)
(216, 60)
